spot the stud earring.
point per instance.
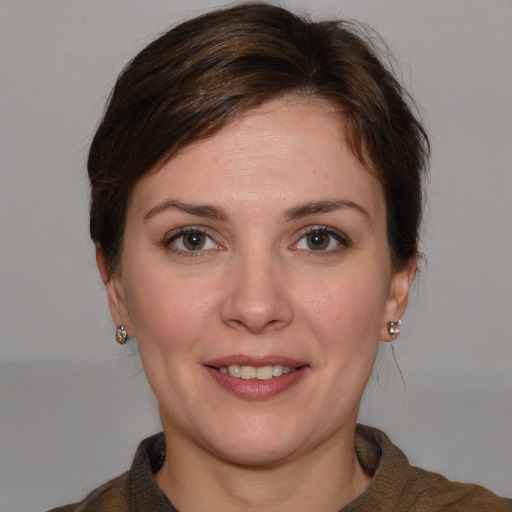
(121, 335)
(394, 328)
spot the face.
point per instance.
(256, 277)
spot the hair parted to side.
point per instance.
(197, 77)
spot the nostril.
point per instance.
(254, 326)
(256, 299)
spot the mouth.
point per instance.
(257, 378)
(266, 372)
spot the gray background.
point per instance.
(73, 405)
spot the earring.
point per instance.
(121, 335)
(394, 328)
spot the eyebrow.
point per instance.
(312, 208)
(199, 210)
(296, 212)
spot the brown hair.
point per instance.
(195, 78)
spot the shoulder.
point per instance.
(400, 487)
(110, 497)
(443, 494)
(133, 490)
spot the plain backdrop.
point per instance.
(74, 405)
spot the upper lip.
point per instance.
(246, 360)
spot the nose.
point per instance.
(257, 297)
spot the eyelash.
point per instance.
(339, 237)
(180, 233)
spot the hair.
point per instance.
(197, 77)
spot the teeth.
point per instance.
(264, 372)
(247, 372)
(234, 371)
(256, 372)
(277, 370)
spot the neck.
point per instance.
(327, 479)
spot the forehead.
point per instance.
(291, 149)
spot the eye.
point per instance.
(191, 240)
(322, 239)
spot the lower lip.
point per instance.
(254, 389)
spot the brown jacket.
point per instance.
(397, 486)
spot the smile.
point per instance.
(256, 372)
(253, 378)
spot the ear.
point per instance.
(115, 293)
(398, 296)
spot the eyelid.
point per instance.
(342, 239)
(175, 234)
(184, 229)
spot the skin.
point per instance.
(259, 287)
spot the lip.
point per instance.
(253, 389)
(245, 360)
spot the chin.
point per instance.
(256, 454)
(258, 442)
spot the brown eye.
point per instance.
(318, 240)
(190, 240)
(322, 239)
(194, 240)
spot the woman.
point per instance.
(255, 205)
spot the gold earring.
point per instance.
(121, 334)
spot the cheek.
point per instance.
(346, 314)
(166, 310)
